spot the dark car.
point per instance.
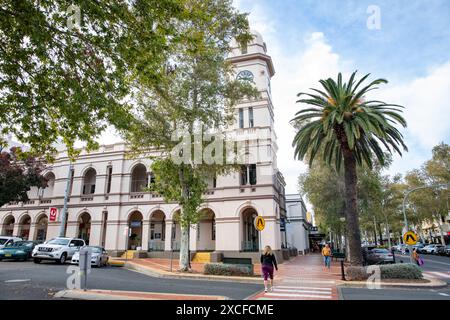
(379, 256)
(447, 250)
(20, 250)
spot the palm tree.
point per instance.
(343, 127)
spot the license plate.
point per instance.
(8, 255)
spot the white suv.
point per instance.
(57, 249)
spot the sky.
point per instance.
(409, 45)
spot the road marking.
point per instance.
(443, 294)
(437, 274)
(294, 295)
(309, 288)
(301, 291)
(17, 280)
(307, 281)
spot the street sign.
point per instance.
(410, 238)
(53, 214)
(259, 223)
(282, 224)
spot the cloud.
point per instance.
(297, 73)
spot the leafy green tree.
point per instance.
(69, 68)
(199, 91)
(431, 204)
(18, 175)
(349, 129)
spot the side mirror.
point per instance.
(72, 245)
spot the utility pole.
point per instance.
(62, 228)
(404, 211)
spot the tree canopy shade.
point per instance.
(195, 99)
(64, 80)
(346, 128)
(18, 174)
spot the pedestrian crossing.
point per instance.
(437, 274)
(287, 292)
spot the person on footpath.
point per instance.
(326, 253)
(417, 258)
(268, 262)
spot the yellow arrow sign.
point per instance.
(259, 223)
(410, 238)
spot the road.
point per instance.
(26, 280)
(434, 266)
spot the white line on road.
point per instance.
(292, 295)
(308, 288)
(302, 291)
(17, 280)
(443, 294)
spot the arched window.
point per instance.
(47, 192)
(89, 179)
(139, 178)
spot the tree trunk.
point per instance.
(351, 212)
(440, 229)
(380, 234)
(184, 249)
(184, 238)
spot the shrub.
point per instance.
(389, 271)
(222, 269)
(401, 271)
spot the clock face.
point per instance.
(245, 76)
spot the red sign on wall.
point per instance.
(53, 214)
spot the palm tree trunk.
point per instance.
(351, 212)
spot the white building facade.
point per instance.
(297, 226)
(107, 206)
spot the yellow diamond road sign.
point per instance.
(410, 238)
(260, 223)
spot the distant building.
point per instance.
(298, 225)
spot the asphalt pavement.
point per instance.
(26, 280)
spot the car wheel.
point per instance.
(63, 258)
(36, 260)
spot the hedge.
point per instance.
(222, 269)
(389, 271)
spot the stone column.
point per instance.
(96, 231)
(32, 234)
(145, 234)
(168, 239)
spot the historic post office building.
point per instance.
(108, 207)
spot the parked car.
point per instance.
(432, 248)
(447, 250)
(419, 246)
(7, 240)
(57, 249)
(401, 247)
(379, 256)
(99, 256)
(20, 250)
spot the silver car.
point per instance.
(99, 256)
(379, 256)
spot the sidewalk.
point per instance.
(160, 268)
(303, 278)
(129, 295)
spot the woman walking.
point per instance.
(268, 262)
(417, 258)
(326, 253)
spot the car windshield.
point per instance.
(96, 249)
(23, 244)
(61, 242)
(380, 251)
(3, 241)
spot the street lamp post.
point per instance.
(404, 211)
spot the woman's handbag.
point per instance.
(420, 262)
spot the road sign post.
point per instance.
(85, 265)
(259, 224)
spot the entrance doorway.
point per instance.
(84, 227)
(135, 233)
